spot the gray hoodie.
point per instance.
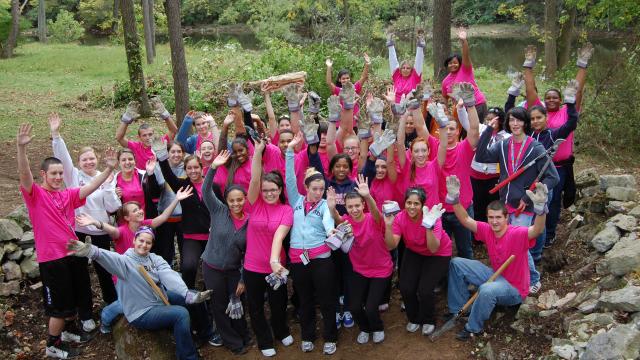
(134, 292)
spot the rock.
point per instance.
(626, 299)
(10, 230)
(562, 302)
(131, 343)
(590, 191)
(610, 282)
(635, 211)
(576, 222)
(526, 311)
(605, 239)
(592, 204)
(547, 299)
(554, 260)
(16, 255)
(565, 351)
(621, 342)
(584, 234)
(10, 247)
(547, 313)
(21, 215)
(1, 253)
(518, 325)
(28, 252)
(625, 181)
(624, 257)
(623, 222)
(27, 240)
(591, 292)
(582, 327)
(587, 177)
(616, 207)
(621, 193)
(29, 266)
(10, 288)
(487, 352)
(11, 271)
(588, 306)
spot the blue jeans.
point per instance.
(462, 273)
(462, 236)
(175, 316)
(527, 220)
(111, 312)
(556, 201)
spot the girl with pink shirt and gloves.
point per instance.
(405, 78)
(344, 76)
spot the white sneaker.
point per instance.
(287, 341)
(363, 337)
(427, 329)
(411, 327)
(62, 351)
(533, 289)
(378, 337)
(81, 338)
(269, 352)
(383, 307)
(329, 348)
(306, 346)
(88, 325)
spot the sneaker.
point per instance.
(216, 340)
(88, 325)
(347, 319)
(269, 352)
(287, 341)
(338, 320)
(437, 289)
(240, 351)
(80, 338)
(105, 329)
(383, 307)
(306, 346)
(402, 308)
(427, 329)
(549, 241)
(363, 337)
(533, 289)
(329, 348)
(378, 337)
(61, 351)
(411, 327)
(464, 335)
(341, 300)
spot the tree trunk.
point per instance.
(116, 16)
(441, 37)
(345, 3)
(147, 21)
(178, 61)
(550, 31)
(134, 58)
(12, 40)
(566, 38)
(153, 28)
(42, 22)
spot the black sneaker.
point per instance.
(79, 337)
(464, 335)
(241, 351)
(62, 351)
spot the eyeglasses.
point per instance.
(351, 148)
(270, 191)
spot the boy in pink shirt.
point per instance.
(51, 211)
(502, 240)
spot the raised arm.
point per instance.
(464, 44)
(392, 171)
(584, 55)
(570, 96)
(363, 189)
(348, 97)
(419, 60)
(331, 205)
(430, 218)
(393, 58)
(185, 129)
(160, 111)
(208, 196)
(390, 239)
(256, 172)
(365, 70)
(539, 199)
(453, 197)
(467, 93)
(61, 152)
(271, 115)
(113, 262)
(530, 53)
(111, 161)
(121, 132)
(294, 103)
(86, 220)
(181, 194)
(292, 184)
(130, 115)
(329, 76)
(334, 115)
(484, 153)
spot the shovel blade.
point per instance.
(444, 328)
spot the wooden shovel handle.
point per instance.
(491, 279)
(153, 285)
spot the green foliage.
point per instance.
(604, 14)
(96, 14)
(160, 19)
(65, 29)
(5, 19)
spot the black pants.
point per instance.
(234, 332)
(315, 286)
(104, 277)
(191, 252)
(164, 243)
(344, 269)
(419, 275)
(481, 196)
(256, 286)
(366, 294)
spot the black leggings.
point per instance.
(419, 275)
(192, 250)
(104, 277)
(234, 332)
(256, 286)
(164, 244)
(366, 294)
(315, 286)
(481, 196)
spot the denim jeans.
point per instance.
(527, 220)
(462, 236)
(556, 201)
(111, 312)
(462, 273)
(175, 316)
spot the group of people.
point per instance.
(337, 204)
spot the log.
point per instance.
(274, 83)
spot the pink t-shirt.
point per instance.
(426, 177)
(515, 241)
(238, 223)
(555, 119)
(200, 139)
(265, 220)
(242, 176)
(464, 74)
(403, 85)
(414, 235)
(369, 254)
(132, 189)
(53, 217)
(384, 189)
(356, 108)
(458, 163)
(273, 160)
(125, 241)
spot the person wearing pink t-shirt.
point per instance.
(238, 168)
(426, 256)
(51, 211)
(372, 265)
(271, 220)
(501, 240)
(405, 78)
(461, 70)
(129, 180)
(343, 77)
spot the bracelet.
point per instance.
(274, 262)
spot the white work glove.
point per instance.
(430, 217)
(539, 198)
(453, 190)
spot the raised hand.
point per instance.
(232, 95)
(539, 198)
(348, 95)
(297, 139)
(334, 108)
(421, 41)
(467, 93)
(292, 93)
(229, 119)
(85, 220)
(584, 55)
(331, 197)
(427, 89)
(401, 107)
(184, 192)
(159, 147)
(221, 159)
(364, 128)
(158, 107)
(437, 112)
(314, 102)
(390, 94)
(530, 56)
(328, 62)
(362, 187)
(390, 41)
(24, 134)
(388, 219)
(310, 130)
(244, 100)
(150, 165)
(382, 142)
(516, 84)
(78, 248)
(367, 60)
(132, 113)
(111, 157)
(570, 91)
(375, 108)
(453, 190)
(430, 217)
(54, 124)
(462, 34)
(260, 145)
